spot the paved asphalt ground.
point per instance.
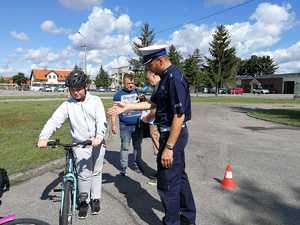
(265, 159)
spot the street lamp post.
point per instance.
(85, 51)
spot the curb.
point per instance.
(23, 176)
(52, 165)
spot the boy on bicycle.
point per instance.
(87, 119)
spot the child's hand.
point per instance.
(42, 143)
(114, 129)
(96, 141)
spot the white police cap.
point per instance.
(152, 52)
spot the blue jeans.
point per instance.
(128, 133)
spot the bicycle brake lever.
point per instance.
(87, 142)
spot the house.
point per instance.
(8, 83)
(8, 80)
(48, 77)
(277, 83)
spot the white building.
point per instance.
(47, 77)
(117, 76)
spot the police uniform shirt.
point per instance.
(172, 97)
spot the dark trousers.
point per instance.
(173, 184)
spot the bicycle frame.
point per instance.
(70, 175)
(8, 218)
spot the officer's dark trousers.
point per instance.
(173, 184)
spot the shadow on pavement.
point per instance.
(263, 206)
(257, 128)
(113, 157)
(46, 193)
(138, 198)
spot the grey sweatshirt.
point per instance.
(87, 119)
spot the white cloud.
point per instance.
(288, 59)
(80, 4)
(117, 62)
(105, 35)
(191, 37)
(7, 71)
(269, 23)
(50, 26)
(46, 56)
(19, 36)
(19, 50)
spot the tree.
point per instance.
(19, 79)
(257, 66)
(268, 66)
(193, 69)
(222, 66)
(175, 57)
(145, 39)
(102, 79)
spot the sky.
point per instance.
(52, 33)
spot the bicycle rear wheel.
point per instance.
(65, 218)
(27, 221)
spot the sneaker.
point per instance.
(83, 210)
(123, 172)
(152, 181)
(137, 169)
(95, 206)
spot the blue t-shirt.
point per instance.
(132, 117)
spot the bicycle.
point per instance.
(69, 182)
(12, 220)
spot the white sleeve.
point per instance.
(101, 124)
(55, 122)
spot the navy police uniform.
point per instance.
(173, 97)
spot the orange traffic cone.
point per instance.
(228, 181)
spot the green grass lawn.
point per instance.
(283, 116)
(31, 97)
(244, 100)
(20, 125)
(58, 95)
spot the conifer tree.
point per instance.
(223, 64)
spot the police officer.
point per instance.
(173, 110)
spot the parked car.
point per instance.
(237, 91)
(223, 91)
(220, 90)
(261, 91)
(35, 88)
(100, 89)
(48, 89)
(205, 90)
(60, 89)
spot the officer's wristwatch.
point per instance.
(170, 147)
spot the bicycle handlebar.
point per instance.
(56, 143)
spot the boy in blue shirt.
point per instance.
(129, 124)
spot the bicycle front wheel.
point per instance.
(65, 217)
(27, 221)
